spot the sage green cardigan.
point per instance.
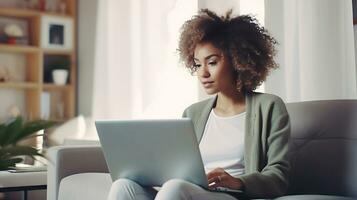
(267, 133)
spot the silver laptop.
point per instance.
(151, 152)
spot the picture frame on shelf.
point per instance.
(56, 33)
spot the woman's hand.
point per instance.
(220, 178)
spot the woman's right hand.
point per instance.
(220, 178)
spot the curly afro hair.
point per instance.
(247, 45)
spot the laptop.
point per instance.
(151, 152)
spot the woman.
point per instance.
(243, 135)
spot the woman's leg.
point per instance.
(125, 189)
(176, 189)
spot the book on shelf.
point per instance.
(20, 167)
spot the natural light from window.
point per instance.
(172, 88)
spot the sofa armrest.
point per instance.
(67, 160)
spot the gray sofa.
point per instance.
(323, 154)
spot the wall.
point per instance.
(87, 16)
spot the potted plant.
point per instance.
(14, 131)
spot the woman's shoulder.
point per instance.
(202, 103)
(265, 98)
(198, 107)
(267, 101)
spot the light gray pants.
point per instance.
(175, 189)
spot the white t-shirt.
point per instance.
(222, 144)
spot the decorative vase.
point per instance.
(60, 76)
(11, 40)
(42, 5)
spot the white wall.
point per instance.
(87, 22)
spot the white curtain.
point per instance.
(316, 51)
(137, 73)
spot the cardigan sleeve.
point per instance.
(184, 114)
(272, 180)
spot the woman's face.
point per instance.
(213, 69)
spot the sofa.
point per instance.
(323, 153)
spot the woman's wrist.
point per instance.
(239, 184)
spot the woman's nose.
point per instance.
(203, 71)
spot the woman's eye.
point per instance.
(212, 63)
(197, 65)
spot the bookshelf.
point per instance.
(38, 57)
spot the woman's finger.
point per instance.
(217, 179)
(215, 172)
(217, 184)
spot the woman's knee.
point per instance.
(177, 187)
(125, 189)
(123, 182)
(123, 185)
(176, 183)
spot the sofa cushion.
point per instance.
(323, 147)
(89, 186)
(313, 197)
(74, 128)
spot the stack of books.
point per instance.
(20, 167)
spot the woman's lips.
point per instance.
(207, 84)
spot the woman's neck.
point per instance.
(229, 104)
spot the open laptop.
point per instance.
(151, 152)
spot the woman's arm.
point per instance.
(272, 181)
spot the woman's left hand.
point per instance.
(220, 178)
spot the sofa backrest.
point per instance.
(323, 148)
